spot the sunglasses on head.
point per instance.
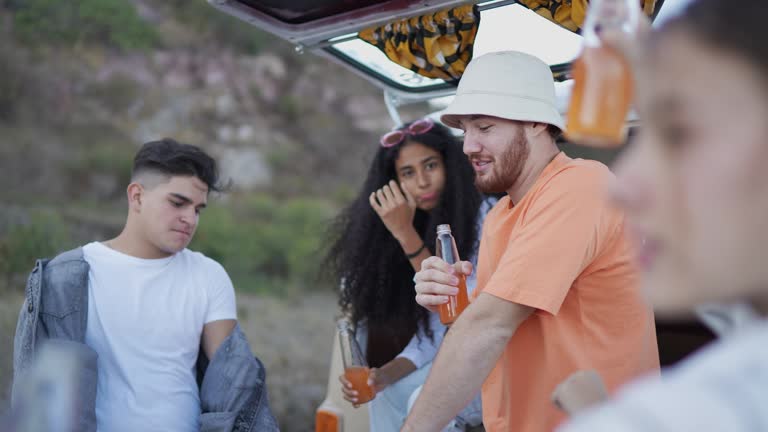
(395, 137)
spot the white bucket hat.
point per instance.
(509, 85)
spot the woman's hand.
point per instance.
(396, 208)
(437, 280)
(348, 392)
(378, 378)
(390, 373)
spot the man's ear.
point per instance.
(536, 129)
(135, 194)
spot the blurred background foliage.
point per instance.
(42, 234)
(113, 23)
(85, 82)
(268, 246)
(117, 24)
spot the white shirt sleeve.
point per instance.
(701, 407)
(221, 295)
(720, 389)
(421, 350)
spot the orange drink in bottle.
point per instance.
(601, 98)
(446, 249)
(456, 304)
(356, 369)
(603, 81)
(358, 377)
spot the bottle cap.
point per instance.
(443, 228)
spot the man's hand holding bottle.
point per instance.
(437, 280)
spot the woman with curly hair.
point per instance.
(418, 180)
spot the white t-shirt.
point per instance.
(722, 388)
(145, 321)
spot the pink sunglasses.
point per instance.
(395, 137)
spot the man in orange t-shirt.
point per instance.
(556, 289)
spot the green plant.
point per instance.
(13, 84)
(104, 157)
(116, 94)
(114, 23)
(42, 235)
(289, 106)
(204, 20)
(266, 245)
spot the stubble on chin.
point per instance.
(507, 168)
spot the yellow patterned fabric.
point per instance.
(438, 45)
(571, 13)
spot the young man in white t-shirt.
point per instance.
(153, 307)
(151, 301)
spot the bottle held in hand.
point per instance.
(603, 81)
(356, 368)
(446, 249)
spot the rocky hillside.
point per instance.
(74, 107)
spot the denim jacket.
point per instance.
(233, 393)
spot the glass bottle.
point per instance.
(603, 82)
(356, 369)
(446, 249)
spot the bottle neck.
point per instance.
(621, 15)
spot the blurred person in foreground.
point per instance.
(419, 178)
(557, 290)
(146, 310)
(695, 187)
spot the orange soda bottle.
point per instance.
(446, 249)
(356, 369)
(603, 82)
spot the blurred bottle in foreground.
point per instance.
(356, 368)
(603, 82)
(50, 392)
(446, 249)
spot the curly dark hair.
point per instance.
(377, 276)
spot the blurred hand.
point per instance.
(396, 208)
(437, 280)
(579, 391)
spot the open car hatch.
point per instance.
(330, 28)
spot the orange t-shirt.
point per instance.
(562, 250)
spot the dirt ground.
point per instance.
(293, 337)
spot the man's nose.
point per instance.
(189, 216)
(471, 145)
